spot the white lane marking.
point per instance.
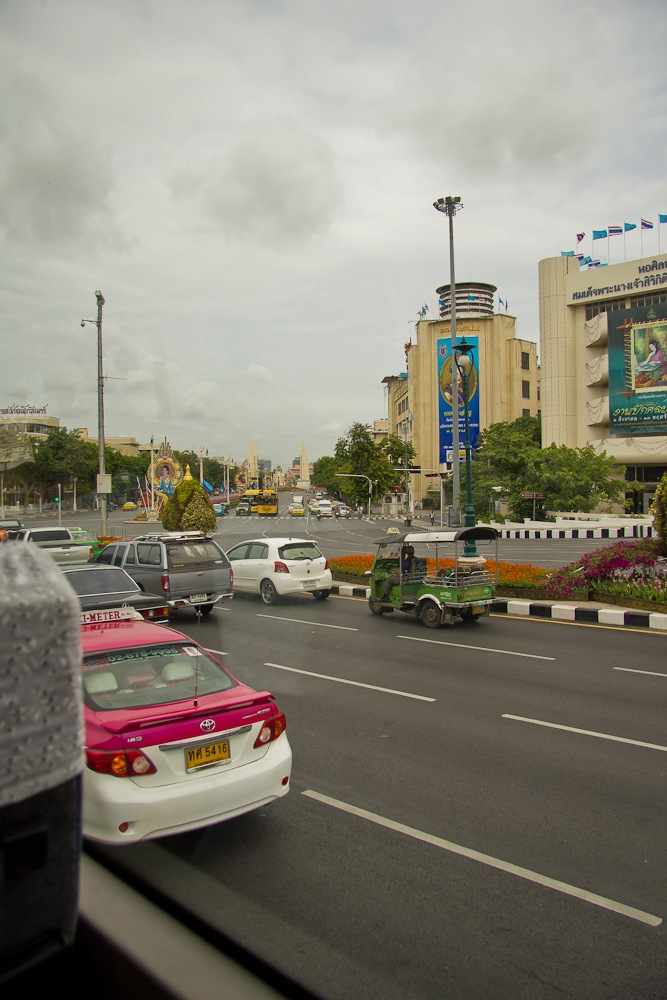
(343, 680)
(487, 859)
(299, 621)
(586, 732)
(480, 649)
(633, 670)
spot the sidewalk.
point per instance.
(589, 612)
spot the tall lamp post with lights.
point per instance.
(465, 364)
(359, 475)
(103, 485)
(449, 206)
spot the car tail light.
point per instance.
(155, 612)
(326, 564)
(119, 763)
(231, 576)
(164, 580)
(280, 567)
(271, 730)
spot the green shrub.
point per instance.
(188, 508)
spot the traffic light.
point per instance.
(56, 499)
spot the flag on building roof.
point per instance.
(580, 237)
(587, 260)
(599, 234)
(662, 218)
(646, 224)
(567, 253)
(629, 225)
(594, 263)
(500, 301)
(615, 231)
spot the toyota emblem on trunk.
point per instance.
(207, 725)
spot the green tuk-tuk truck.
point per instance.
(444, 584)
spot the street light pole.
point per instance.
(359, 475)
(100, 408)
(465, 364)
(450, 206)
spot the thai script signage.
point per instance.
(10, 411)
(655, 272)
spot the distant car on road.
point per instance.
(297, 510)
(173, 741)
(243, 509)
(274, 567)
(101, 587)
(11, 525)
(129, 505)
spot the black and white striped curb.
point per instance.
(611, 531)
(558, 612)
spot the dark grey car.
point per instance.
(186, 567)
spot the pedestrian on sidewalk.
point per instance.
(432, 518)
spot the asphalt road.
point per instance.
(337, 538)
(476, 812)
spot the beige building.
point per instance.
(602, 384)
(507, 385)
(31, 420)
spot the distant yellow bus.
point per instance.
(251, 496)
(267, 503)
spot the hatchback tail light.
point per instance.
(120, 763)
(326, 564)
(164, 581)
(271, 730)
(280, 567)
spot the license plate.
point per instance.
(309, 584)
(197, 598)
(212, 753)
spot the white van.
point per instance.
(297, 498)
(325, 508)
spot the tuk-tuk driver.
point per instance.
(408, 556)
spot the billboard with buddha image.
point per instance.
(638, 370)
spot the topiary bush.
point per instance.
(188, 508)
(659, 511)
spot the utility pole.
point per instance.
(101, 482)
(450, 206)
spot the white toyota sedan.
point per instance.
(274, 567)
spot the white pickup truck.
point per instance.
(60, 543)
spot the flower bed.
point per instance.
(631, 574)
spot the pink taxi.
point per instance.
(173, 741)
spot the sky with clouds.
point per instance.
(250, 183)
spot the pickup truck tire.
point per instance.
(431, 614)
(204, 609)
(321, 595)
(268, 592)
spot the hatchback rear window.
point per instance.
(300, 550)
(153, 675)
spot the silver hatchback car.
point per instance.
(275, 567)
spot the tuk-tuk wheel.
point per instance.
(431, 614)
(377, 608)
(468, 615)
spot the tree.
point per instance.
(509, 455)
(358, 455)
(659, 511)
(188, 508)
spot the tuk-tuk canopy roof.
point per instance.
(478, 533)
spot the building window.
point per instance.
(525, 360)
(525, 413)
(525, 389)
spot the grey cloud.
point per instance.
(278, 184)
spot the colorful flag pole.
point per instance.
(662, 219)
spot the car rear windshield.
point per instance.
(195, 552)
(153, 675)
(299, 550)
(86, 583)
